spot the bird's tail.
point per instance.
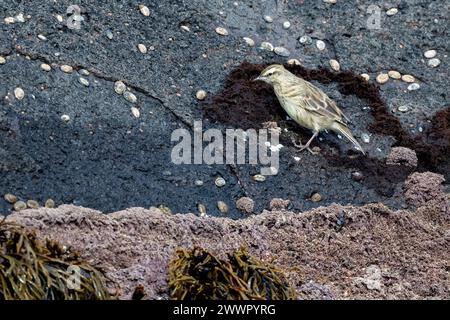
(342, 129)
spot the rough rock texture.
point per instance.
(279, 204)
(335, 252)
(422, 187)
(402, 156)
(105, 158)
(245, 204)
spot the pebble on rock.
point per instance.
(65, 118)
(413, 87)
(278, 204)
(46, 67)
(9, 20)
(403, 108)
(249, 41)
(320, 45)
(109, 34)
(357, 176)
(142, 48)
(50, 203)
(130, 97)
(245, 204)
(222, 31)
(19, 93)
(394, 74)
(42, 37)
(83, 81)
(408, 78)
(365, 76)
(144, 10)
(259, 178)
(119, 87)
(10, 198)
(286, 25)
(201, 209)
(335, 65)
(382, 78)
(84, 72)
(392, 11)
(66, 68)
(305, 40)
(20, 18)
(19, 206)
(135, 111)
(316, 197)
(200, 95)
(2, 60)
(433, 63)
(185, 28)
(222, 206)
(281, 51)
(365, 138)
(429, 54)
(268, 19)
(220, 182)
(32, 204)
(266, 46)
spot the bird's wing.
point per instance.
(315, 100)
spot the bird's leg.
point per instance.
(311, 139)
(306, 146)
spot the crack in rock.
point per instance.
(101, 75)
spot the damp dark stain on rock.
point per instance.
(243, 103)
(246, 104)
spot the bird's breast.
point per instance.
(296, 113)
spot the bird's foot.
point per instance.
(302, 147)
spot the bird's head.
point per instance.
(273, 74)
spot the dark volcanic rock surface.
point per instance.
(106, 159)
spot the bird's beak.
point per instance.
(258, 78)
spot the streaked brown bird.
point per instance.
(306, 104)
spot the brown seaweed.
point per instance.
(34, 270)
(199, 275)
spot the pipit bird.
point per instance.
(306, 104)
